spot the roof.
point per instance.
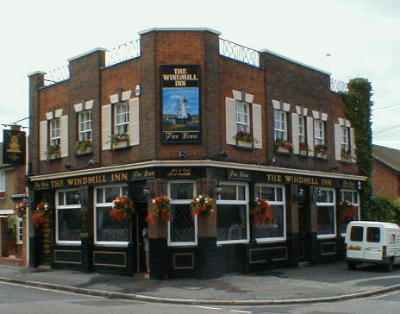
(388, 156)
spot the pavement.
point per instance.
(316, 283)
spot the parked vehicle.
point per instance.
(372, 242)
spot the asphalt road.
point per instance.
(15, 299)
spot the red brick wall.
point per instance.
(385, 181)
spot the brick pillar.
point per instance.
(292, 224)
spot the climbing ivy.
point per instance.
(358, 110)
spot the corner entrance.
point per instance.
(304, 208)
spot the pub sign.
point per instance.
(180, 104)
(14, 148)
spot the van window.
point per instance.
(373, 234)
(356, 233)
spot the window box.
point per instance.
(283, 147)
(345, 155)
(303, 149)
(84, 148)
(321, 151)
(120, 141)
(53, 152)
(244, 140)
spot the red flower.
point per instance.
(118, 214)
(38, 218)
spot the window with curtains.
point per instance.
(350, 198)
(233, 213)
(108, 231)
(85, 125)
(302, 130)
(68, 218)
(319, 132)
(280, 126)
(121, 118)
(275, 196)
(55, 132)
(345, 143)
(182, 229)
(326, 212)
(242, 116)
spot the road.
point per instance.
(16, 299)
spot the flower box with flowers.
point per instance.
(160, 210)
(321, 151)
(39, 215)
(263, 213)
(244, 139)
(119, 141)
(122, 208)
(303, 149)
(202, 206)
(345, 155)
(53, 152)
(284, 147)
(83, 148)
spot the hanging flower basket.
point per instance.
(39, 215)
(20, 208)
(160, 209)
(122, 208)
(202, 205)
(263, 213)
(349, 212)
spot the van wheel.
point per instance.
(389, 266)
(351, 266)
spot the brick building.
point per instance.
(191, 114)
(386, 172)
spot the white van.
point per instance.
(372, 242)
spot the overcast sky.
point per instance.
(362, 38)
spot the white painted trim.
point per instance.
(326, 236)
(298, 110)
(237, 95)
(315, 114)
(126, 95)
(114, 98)
(324, 116)
(305, 111)
(270, 240)
(78, 107)
(333, 204)
(180, 29)
(49, 115)
(347, 123)
(276, 104)
(58, 113)
(197, 163)
(249, 98)
(89, 104)
(6, 211)
(286, 107)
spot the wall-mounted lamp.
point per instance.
(182, 155)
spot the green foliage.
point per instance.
(358, 110)
(383, 209)
(12, 224)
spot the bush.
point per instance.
(383, 209)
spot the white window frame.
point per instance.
(55, 132)
(345, 139)
(279, 203)
(319, 132)
(236, 202)
(302, 130)
(356, 204)
(333, 204)
(280, 124)
(182, 202)
(85, 125)
(65, 207)
(20, 231)
(121, 119)
(3, 185)
(242, 117)
(106, 243)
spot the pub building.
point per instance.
(260, 140)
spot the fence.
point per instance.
(123, 52)
(239, 53)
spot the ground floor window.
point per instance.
(182, 228)
(107, 230)
(326, 212)
(273, 229)
(68, 218)
(349, 208)
(233, 213)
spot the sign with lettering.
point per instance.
(240, 175)
(300, 180)
(14, 149)
(180, 104)
(142, 174)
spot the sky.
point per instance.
(348, 38)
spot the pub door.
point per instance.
(304, 209)
(141, 212)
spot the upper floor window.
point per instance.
(319, 132)
(242, 117)
(2, 183)
(280, 126)
(121, 114)
(55, 132)
(302, 129)
(85, 125)
(345, 143)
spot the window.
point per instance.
(345, 143)
(121, 114)
(280, 126)
(2, 183)
(182, 229)
(326, 213)
(242, 117)
(107, 230)
(356, 234)
(373, 234)
(20, 230)
(351, 197)
(68, 218)
(233, 213)
(85, 125)
(319, 132)
(302, 129)
(275, 195)
(55, 138)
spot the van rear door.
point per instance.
(355, 243)
(374, 243)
